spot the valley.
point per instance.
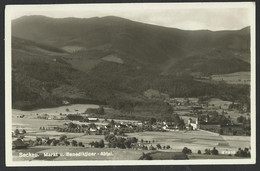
(109, 84)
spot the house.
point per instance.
(140, 124)
(92, 129)
(120, 126)
(193, 125)
(170, 127)
(19, 144)
(93, 119)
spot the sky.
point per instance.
(186, 16)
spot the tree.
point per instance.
(240, 119)
(185, 150)
(23, 131)
(67, 110)
(207, 151)
(91, 143)
(55, 142)
(101, 143)
(101, 110)
(112, 122)
(66, 142)
(234, 132)
(159, 146)
(80, 144)
(221, 131)
(72, 125)
(134, 140)
(199, 152)
(74, 143)
(63, 137)
(16, 132)
(168, 147)
(214, 151)
(152, 121)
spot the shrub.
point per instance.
(199, 152)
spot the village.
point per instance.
(189, 117)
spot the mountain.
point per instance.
(111, 60)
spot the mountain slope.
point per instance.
(139, 43)
(112, 61)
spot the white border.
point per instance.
(8, 102)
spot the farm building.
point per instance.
(93, 119)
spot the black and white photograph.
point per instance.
(130, 84)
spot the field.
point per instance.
(75, 108)
(159, 155)
(195, 140)
(234, 78)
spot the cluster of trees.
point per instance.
(75, 117)
(96, 144)
(162, 147)
(17, 132)
(75, 143)
(54, 142)
(214, 151)
(120, 142)
(51, 142)
(217, 118)
(241, 107)
(243, 120)
(73, 127)
(243, 153)
(98, 111)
